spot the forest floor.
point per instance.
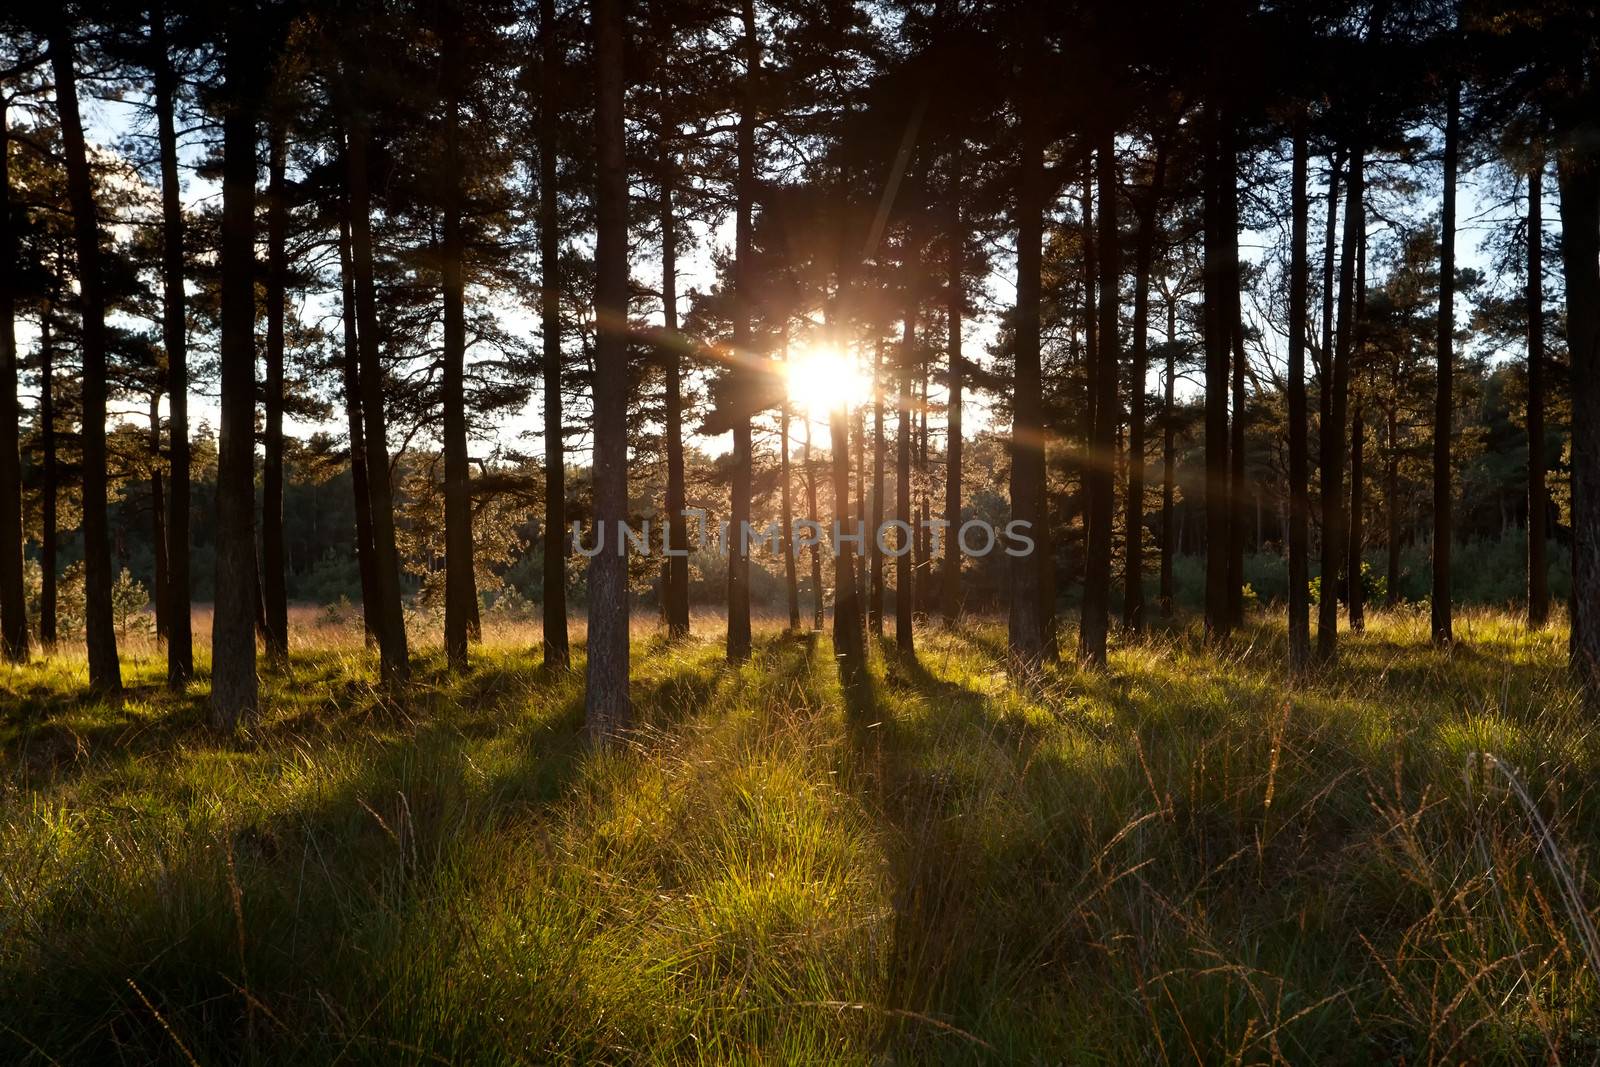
(1183, 859)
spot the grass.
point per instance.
(1184, 859)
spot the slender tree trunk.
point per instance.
(859, 433)
(1102, 444)
(557, 652)
(811, 513)
(606, 705)
(1578, 178)
(351, 371)
(274, 596)
(955, 300)
(1333, 426)
(1169, 460)
(1299, 451)
(744, 192)
(1025, 624)
(923, 537)
(1538, 498)
(791, 582)
(13, 603)
(1444, 397)
(1356, 595)
(848, 641)
(233, 646)
(175, 338)
(105, 673)
(50, 477)
(1133, 522)
(460, 582)
(158, 519)
(1391, 497)
(1238, 493)
(904, 564)
(677, 567)
(393, 657)
(879, 448)
(1221, 281)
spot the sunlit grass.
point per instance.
(1188, 857)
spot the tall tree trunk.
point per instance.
(1221, 282)
(1299, 451)
(557, 651)
(923, 538)
(904, 564)
(233, 646)
(274, 596)
(50, 478)
(955, 300)
(879, 448)
(393, 658)
(859, 434)
(1133, 522)
(1538, 498)
(1102, 443)
(848, 641)
(1025, 624)
(1238, 493)
(677, 566)
(743, 356)
(351, 371)
(1334, 425)
(1356, 594)
(1391, 498)
(460, 581)
(1578, 178)
(158, 519)
(105, 673)
(13, 603)
(175, 338)
(1444, 397)
(606, 704)
(1169, 459)
(791, 582)
(811, 513)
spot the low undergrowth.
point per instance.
(1184, 858)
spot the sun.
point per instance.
(821, 379)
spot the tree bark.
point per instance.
(1221, 281)
(677, 566)
(175, 338)
(955, 300)
(557, 650)
(233, 646)
(1133, 521)
(158, 519)
(105, 673)
(1096, 615)
(1578, 178)
(274, 595)
(49, 492)
(1333, 427)
(1299, 451)
(13, 603)
(351, 371)
(905, 563)
(393, 657)
(607, 710)
(1356, 594)
(1444, 397)
(1538, 497)
(879, 449)
(1169, 460)
(811, 513)
(848, 641)
(460, 581)
(791, 583)
(1025, 623)
(744, 193)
